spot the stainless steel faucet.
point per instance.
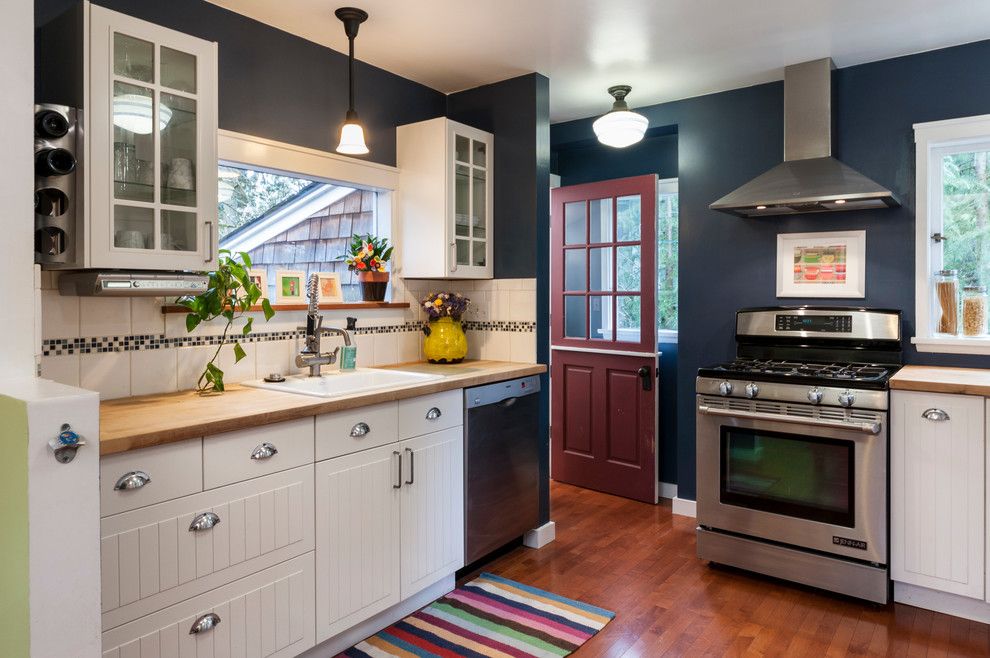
(311, 355)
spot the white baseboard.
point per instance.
(384, 619)
(684, 507)
(668, 490)
(540, 537)
(950, 604)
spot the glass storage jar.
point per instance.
(947, 302)
(974, 310)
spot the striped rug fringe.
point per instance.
(489, 616)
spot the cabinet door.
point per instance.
(432, 508)
(151, 146)
(357, 538)
(470, 227)
(937, 491)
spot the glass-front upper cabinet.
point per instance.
(152, 156)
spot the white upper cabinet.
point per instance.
(151, 135)
(445, 200)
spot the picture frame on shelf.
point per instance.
(259, 277)
(290, 287)
(830, 264)
(330, 288)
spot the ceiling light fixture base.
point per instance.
(351, 17)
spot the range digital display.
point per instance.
(832, 324)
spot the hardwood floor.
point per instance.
(639, 561)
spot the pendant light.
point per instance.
(621, 127)
(352, 132)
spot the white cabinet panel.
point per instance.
(266, 615)
(227, 458)
(152, 559)
(937, 491)
(432, 508)
(357, 538)
(344, 432)
(174, 469)
(430, 413)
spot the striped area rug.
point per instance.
(489, 616)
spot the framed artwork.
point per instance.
(330, 290)
(821, 264)
(290, 287)
(259, 277)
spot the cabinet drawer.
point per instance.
(430, 413)
(151, 558)
(344, 432)
(236, 456)
(268, 614)
(173, 470)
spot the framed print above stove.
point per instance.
(831, 264)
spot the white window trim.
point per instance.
(934, 140)
(669, 186)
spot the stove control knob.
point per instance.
(752, 390)
(847, 398)
(815, 395)
(725, 388)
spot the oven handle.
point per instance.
(866, 428)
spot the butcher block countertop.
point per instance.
(934, 379)
(151, 420)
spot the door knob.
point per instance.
(645, 374)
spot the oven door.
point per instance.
(805, 476)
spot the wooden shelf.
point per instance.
(340, 306)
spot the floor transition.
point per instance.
(639, 561)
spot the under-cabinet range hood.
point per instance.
(810, 179)
(119, 283)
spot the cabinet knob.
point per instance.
(132, 480)
(264, 451)
(207, 622)
(433, 413)
(935, 415)
(204, 521)
(360, 430)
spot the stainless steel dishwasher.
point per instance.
(501, 464)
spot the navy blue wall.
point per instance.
(728, 138)
(587, 161)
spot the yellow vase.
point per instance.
(445, 341)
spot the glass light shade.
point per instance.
(620, 128)
(352, 140)
(133, 112)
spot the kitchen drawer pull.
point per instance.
(207, 622)
(935, 414)
(398, 480)
(360, 430)
(433, 413)
(132, 480)
(204, 521)
(412, 466)
(264, 451)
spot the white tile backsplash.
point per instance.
(59, 315)
(63, 369)
(104, 316)
(154, 371)
(386, 348)
(108, 373)
(147, 317)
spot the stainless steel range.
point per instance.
(792, 447)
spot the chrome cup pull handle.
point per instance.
(360, 430)
(433, 413)
(264, 451)
(935, 414)
(132, 480)
(204, 521)
(207, 622)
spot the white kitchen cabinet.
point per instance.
(445, 200)
(432, 508)
(151, 146)
(937, 491)
(357, 538)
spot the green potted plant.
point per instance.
(230, 294)
(367, 256)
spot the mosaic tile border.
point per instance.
(138, 342)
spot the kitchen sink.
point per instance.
(337, 383)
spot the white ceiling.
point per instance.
(665, 49)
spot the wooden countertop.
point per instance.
(150, 420)
(935, 379)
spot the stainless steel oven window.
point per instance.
(810, 478)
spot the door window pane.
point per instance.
(178, 231)
(601, 220)
(480, 153)
(133, 58)
(575, 320)
(478, 203)
(575, 272)
(575, 222)
(133, 228)
(667, 214)
(462, 200)
(628, 218)
(178, 70)
(627, 310)
(600, 317)
(628, 268)
(133, 143)
(178, 150)
(600, 259)
(462, 148)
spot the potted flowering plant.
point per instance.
(367, 256)
(445, 341)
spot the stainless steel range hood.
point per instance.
(810, 179)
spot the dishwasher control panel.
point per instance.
(480, 396)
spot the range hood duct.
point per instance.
(810, 179)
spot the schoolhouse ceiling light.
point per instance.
(621, 127)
